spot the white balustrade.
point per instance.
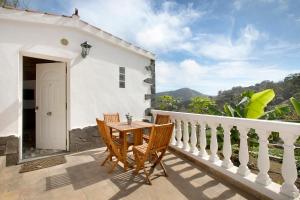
(289, 169)
(202, 139)
(261, 182)
(213, 144)
(243, 153)
(263, 161)
(193, 139)
(186, 145)
(173, 139)
(178, 133)
(227, 151)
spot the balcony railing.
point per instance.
(185, 139)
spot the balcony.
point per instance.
(185, 140)
(195, 172)
(82, 177)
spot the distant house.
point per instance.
(48, 88)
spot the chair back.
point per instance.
(105, 133)
(160, 137)
(111, 117)
(162, 119)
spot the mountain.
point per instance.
(184, 93)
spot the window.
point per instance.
(121, 77)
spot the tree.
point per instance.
(203, 105)
(167, 102)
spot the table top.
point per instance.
(123, 126)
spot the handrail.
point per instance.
(185, 139)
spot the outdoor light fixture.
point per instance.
(85, 49)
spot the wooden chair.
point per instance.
(114, 144)
(160, 119)
(111, 117)
(158, 143)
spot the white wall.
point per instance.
(93, 82)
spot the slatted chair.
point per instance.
(160, 119)
(111, 117)
(114, 144)
(158, 144)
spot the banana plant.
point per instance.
(252, 104)
(296, 105)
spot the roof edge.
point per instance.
(83, 26)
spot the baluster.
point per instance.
(173, 139)
(227, 151)
(213, 144)
(194, 149)
(243, 153)
(178, 133)
(186, 137)
(263, 161)
(289, 169)
(202, 139)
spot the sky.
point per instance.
(206, 45)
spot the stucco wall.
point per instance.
(93, 82)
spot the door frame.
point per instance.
(20, 94)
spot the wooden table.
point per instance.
(135, 128)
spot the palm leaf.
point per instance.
(296, 105)
(258, 102)
(229, 111)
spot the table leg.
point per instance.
(124, 153)
(138, 137)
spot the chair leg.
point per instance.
(147, 176)
(114, 166)
(163, 167)
(106, 159)
(138, 165)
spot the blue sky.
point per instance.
(206, 45)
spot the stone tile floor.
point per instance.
(83, 178)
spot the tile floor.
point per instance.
(83, 178)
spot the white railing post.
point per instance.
(178, 133)
(213, 144)
(227, 151)
(186, 137)
(263, 161)
(202, 140)
(289, 169)
(194, 149)
(243, 152)
(173, 139)
(187, 141)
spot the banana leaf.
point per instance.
(296, 105)
(258, 102)
(229, 111)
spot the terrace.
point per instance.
(194, 173)
(82, 177)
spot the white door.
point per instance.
(51, 106)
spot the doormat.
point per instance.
(42, 163)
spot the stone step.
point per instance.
(2, 162)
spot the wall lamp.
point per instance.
(85, 49)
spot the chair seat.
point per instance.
(141, 148)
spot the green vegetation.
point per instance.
(168, 103)
(267, 100)
(203, 105)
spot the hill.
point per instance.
(185, 94)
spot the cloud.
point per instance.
(210, 79)
(220, 47)
(162, 28)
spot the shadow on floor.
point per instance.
(188, 179)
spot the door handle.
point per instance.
(36, 108)
(49, 113)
